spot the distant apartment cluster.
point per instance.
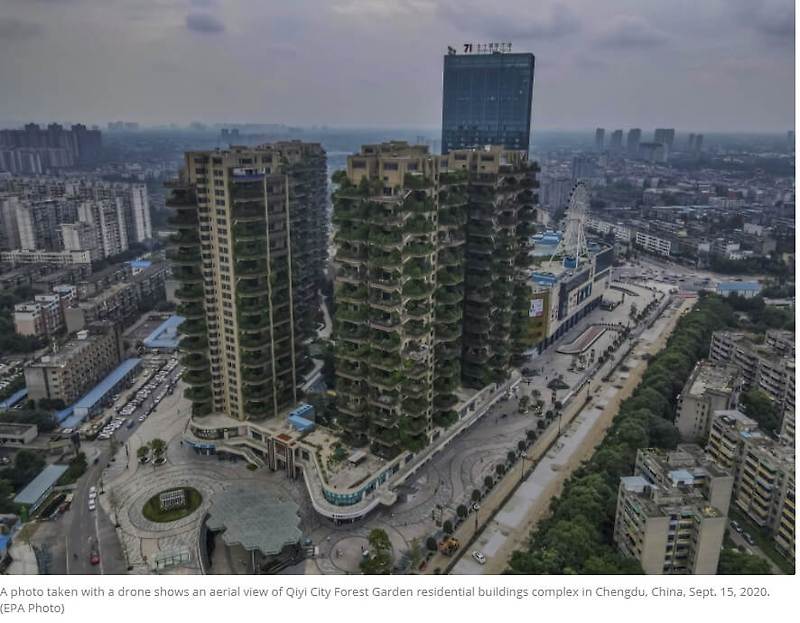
(33, 150)
(118, 293)
(656, 150)
(673, 511)
(67, 220)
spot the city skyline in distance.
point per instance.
(708, 66)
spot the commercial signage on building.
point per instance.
(537, 308)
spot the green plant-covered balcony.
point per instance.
(385, 380)
(352, 234)
(416, 181)
(449, 296)
(418, 249)
(352, 351)
(257, 392)
(448, 369)
(417, 309)
(351, 331)
(415, 388)
(191, 344)
(479, 280)
(347, 291)
(256, 376)
(447, 351)
(352, 314)
(191, 311)
(193, 328)
(250, 268)
(417, 288)
(344, 213)
(417, 268)
(250, 231)
(451, 238)
(250, 250)
(382, 319)
(248, 212)
(386, 361)
(258, 408)
(445, 401)
(415, 406)
(184, 257)
(196, 377)
(252, 288)
(418, 206)
(453, 177)
(378, 238)
(448, 331)
(526, 229)
(254, 322)
(382, 298)
(188, 275)
(419, 225)
(449, 276)
(194, 361)
(452, 217)
(379, 259)
(350, 369)
(450, 257)
(183, 220)
(446, 384)
(351, 407)
(449, 313)
(455, 197)
(416, 328)
(385, 340)
(198, 393)
(256, 358)
(254, 340)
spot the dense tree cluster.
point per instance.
(577, 537)
(758, 406)
(13, 479)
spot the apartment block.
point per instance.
(766, 364)
(428, 257)
(711, 387)
(672, 513)
(45, 314)
(76, 366)
(653, 244)
(763, 472)
(233, 254)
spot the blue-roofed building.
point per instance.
(32, 496)
(746, 289)
(165, 336)
(94, 399)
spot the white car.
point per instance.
(142, 418)
(479, 557)
(92, 505)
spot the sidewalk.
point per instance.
(23, 559)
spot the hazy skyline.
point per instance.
(713, 65)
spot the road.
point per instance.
(67, 540)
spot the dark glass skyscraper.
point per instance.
(487, 100)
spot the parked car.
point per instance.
(479, 557)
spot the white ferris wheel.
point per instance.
(573, 238)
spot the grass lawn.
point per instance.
(763, 541)
(152, 508)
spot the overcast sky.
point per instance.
(690, 64)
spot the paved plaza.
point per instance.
(444, 483)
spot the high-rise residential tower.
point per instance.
(238, 212)
(615, 144)
(599, 139)
(487, 97)
(634, 138)
(428, 250)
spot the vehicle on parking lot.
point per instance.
(480, 557)
(750, 540)
(92, 505)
